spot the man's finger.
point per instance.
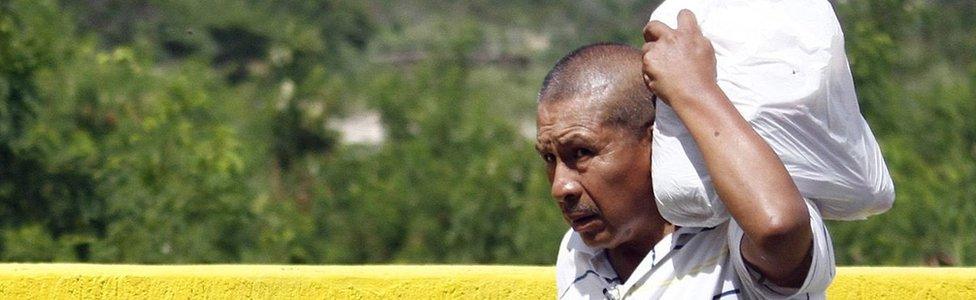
(647, 73)
(687, 21)
(646, 63)
(655, 30)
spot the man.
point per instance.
(595, 114)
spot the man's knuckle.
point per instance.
(652, 53)
(646, 47)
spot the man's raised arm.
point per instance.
(679, 67)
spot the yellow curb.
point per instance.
(92, 281)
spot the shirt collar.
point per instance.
(597, 259)
(668, 245)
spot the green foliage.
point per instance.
(198, 131)
(915, 74)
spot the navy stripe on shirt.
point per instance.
(588, 272)
(726, 293)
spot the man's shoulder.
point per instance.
(565, 258)
(565, 262)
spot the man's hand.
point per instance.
(678, 63)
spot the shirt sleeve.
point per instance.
(822, 267)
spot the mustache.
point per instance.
(588, 209)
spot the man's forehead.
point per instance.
(575, 110)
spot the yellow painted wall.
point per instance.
(83, 281)
(903, 283)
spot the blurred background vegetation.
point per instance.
(336, 131)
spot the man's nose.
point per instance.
(565, 187)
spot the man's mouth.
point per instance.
(585, 222)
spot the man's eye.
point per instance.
(584, 152)
(549, 157)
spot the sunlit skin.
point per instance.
(600, 177)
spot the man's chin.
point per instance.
(597, 240)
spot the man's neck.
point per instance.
(627, 256)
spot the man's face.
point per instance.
(600, 174)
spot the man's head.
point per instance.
(594, 132)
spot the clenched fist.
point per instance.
(678, 63)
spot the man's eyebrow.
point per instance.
(540, 145)
(567, 136)
(570, 136)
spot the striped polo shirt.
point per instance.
(690, 263)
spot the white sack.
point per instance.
(783, 66)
